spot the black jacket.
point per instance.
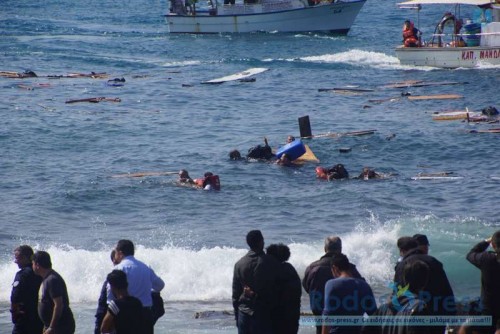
(489, 264)
(24, 296)
(438, 286)
(258, 271)
(315, 277)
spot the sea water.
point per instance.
(58, 193)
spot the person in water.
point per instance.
(235, 155)
(411, 35)
(290, 139)
(284, 160)
(184, 177)
(210, 181)
(368, 173)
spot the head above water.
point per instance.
(255, 240)
(333, 244)
(183, 174)
(290, 139)
(235, 155)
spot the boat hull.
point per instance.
(449, 57)
(335, 18)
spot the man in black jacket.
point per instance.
(319, 272)
(438, 293)
(254, 288)
(24, 297)
(489, 264)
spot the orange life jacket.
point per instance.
(213, 180)
(409, 37)
(322, 173)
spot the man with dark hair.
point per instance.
(287, 314)
(319, 272)
(423, 242)
(489, 264)
(438, 293)
(24, 296)
(346, 295)
(124, 314)
(53, 307)
(408, 303)
(254, 287)
(142, 280)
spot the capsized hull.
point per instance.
(449, 57)
(337, 18)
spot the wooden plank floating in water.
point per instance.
(423, 84)
(346, 90)
(446, 178)
(497, 130)
(343, 134)
(95, 100)
(237, 76)
(143, 174)
(434, 97)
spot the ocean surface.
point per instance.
(57, 160)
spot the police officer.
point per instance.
(24, 297)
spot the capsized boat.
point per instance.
(332, 16)
(469, 44)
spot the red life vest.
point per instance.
(212, 180)
(409, 37)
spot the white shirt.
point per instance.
(141, 280)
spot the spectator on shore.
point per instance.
(254, 287)
(423, 243)
(438, 290)
(53, 308)
(102, 304)
(489, 264)
(408, 303)
(24, 295)
(124, 314)
(319, 272)
(346, 295)
(142, 280)
(289, 290)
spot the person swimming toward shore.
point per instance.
(184, 177)
(368, 174)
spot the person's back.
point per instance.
(319, 272)
(288, 292)
(489, 264)
(128, 315)
(346, 296)
(254, 287)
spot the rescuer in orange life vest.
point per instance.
(410, 35)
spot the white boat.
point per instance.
(478, 43)
(335, 16)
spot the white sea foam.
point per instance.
(182, 63)
(364, 58)
(206, 274)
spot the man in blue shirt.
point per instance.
(346, 296)
(141, 280)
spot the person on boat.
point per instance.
(368, 174)
(184, 177)
(411, 35)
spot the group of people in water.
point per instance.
(266, 291)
